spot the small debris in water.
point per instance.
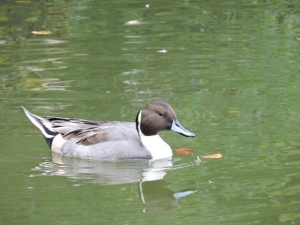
(163, 51)
(232, 111)
(42, 32)
(137, 22)
(185, 151)
(198, 160)
(213, 156)
(132, 22)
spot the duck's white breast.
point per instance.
(156, 146)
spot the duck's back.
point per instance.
(112, 140)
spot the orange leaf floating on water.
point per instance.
(213, 156)
(186, 151)
(42, 32)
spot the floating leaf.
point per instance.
(42, 32)
(213, 156)
(185, 151)
(232, 111)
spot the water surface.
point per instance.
(229, 69)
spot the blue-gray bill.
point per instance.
(177, 127)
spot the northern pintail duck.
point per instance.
(112, 139)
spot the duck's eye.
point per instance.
(160, 114)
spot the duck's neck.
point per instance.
(154, 144)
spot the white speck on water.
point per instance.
(198, 160)
(132, 22)
(163, 51)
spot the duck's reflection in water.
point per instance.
(110, 172)
(153, 189)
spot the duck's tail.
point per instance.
(44, 125)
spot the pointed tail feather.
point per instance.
(44, 125)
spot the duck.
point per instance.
(112, 140)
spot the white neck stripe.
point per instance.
(139, 122)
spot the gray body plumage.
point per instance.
(122, 142)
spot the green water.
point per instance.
(230, 70)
